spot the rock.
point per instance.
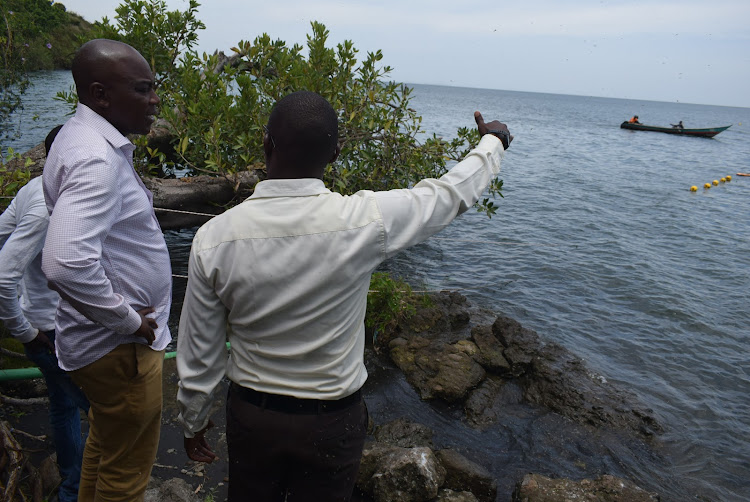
(451, 496)
(373, 454)
(562, 382)
(450, 361)
(437, 369)
(464, 475)
(390, 473)
(478, 406)
(405, 434)
(171, 490)
(606, 488)
(425, 319)
(414, 475)
(490, 351)
(521, 344)
(448, 315)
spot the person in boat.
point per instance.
(634, 120)
(678, 125)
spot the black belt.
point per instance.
(289, 404)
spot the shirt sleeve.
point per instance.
(412, 215)
(22, 242)
(88, 204)
(201, 347)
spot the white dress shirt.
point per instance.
(26, 303)
(105, 252)
(284, 277)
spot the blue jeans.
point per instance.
(65, 398)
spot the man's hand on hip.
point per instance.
(148, 325)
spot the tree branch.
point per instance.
(24, 402)
(12, 353)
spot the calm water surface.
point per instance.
(599, 246)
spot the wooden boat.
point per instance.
(709, 132)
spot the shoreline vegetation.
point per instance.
(213, 108)
(448, 352)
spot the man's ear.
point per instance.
(98, 94)
(336, 153)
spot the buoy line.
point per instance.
(725, 179)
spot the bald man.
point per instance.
(105, 255)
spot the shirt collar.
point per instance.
(107, 130)
(301, 187)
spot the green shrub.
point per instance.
(11, 180)
(389, 302)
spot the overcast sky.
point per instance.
(692, 51)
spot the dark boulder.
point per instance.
(538, 488)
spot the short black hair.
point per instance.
(305, 127)
(50, 138)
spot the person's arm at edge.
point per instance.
(201, 357)
(20, 245)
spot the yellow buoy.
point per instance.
(707, 185)
(693, 188)
(729, 177)
(716, 182)
(723, 180)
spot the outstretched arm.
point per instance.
(433, 203)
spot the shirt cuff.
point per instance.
(190, 434)
(28, 335)
(130, 324)
(490, 142)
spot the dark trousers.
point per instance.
(281, 451)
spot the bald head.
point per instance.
(114, 80)
(304, 131)
(95, 61)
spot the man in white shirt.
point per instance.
(284, 276)
(27, 309)
(106, 256)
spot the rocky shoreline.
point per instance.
(451, 355)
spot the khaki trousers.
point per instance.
(125, 391)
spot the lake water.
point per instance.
(598, 245)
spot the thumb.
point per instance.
(478, 118)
